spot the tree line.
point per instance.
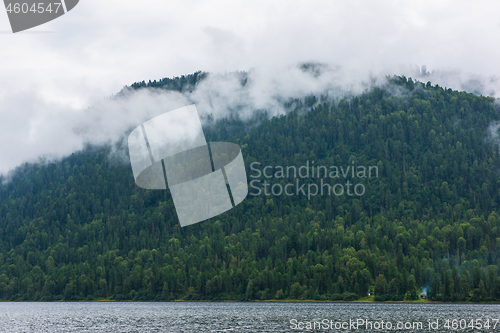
(79, 228)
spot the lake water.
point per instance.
(246, 317)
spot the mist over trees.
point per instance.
(79, 228)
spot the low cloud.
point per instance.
(53, 86)
(51, 129)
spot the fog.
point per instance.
(58, 81)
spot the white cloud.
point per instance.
(47, 80)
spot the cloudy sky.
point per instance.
(51, 74)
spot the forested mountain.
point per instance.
(80, 229)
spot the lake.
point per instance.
(247, 317)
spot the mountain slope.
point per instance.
(80, 229)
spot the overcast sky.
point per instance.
(51, 73)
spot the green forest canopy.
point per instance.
(80, 229)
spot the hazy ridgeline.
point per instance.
(79, 228)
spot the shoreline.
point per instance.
(251, 301)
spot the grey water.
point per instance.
(247, 317)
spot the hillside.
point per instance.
(80, 229)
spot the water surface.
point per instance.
(242, 317)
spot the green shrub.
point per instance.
(350, 297)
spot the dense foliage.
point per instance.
(80, 228)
